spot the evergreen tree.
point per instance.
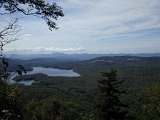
(110, 106)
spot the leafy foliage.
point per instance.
(147, 105)
(38, 8)
(11, 107)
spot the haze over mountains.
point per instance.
(79, 57)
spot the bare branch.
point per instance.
(8, 34)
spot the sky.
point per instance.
(94, 26)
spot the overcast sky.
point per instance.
(95, 26)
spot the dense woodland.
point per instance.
(67, 98)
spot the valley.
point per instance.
(75, 81)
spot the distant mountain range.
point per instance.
(76, 57)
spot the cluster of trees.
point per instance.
(15, 106)
(111, 102)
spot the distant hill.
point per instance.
(75, 57)
(60, 56)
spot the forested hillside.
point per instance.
(76, 97)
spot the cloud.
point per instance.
(43, 50)
(27, 35)
(97, 25)
(114, 17)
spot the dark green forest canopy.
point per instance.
(39, 8)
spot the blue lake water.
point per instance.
(47, 71)
(53, 72)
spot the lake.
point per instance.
(53, 72)
(47, 71)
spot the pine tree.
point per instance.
(109, 104)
